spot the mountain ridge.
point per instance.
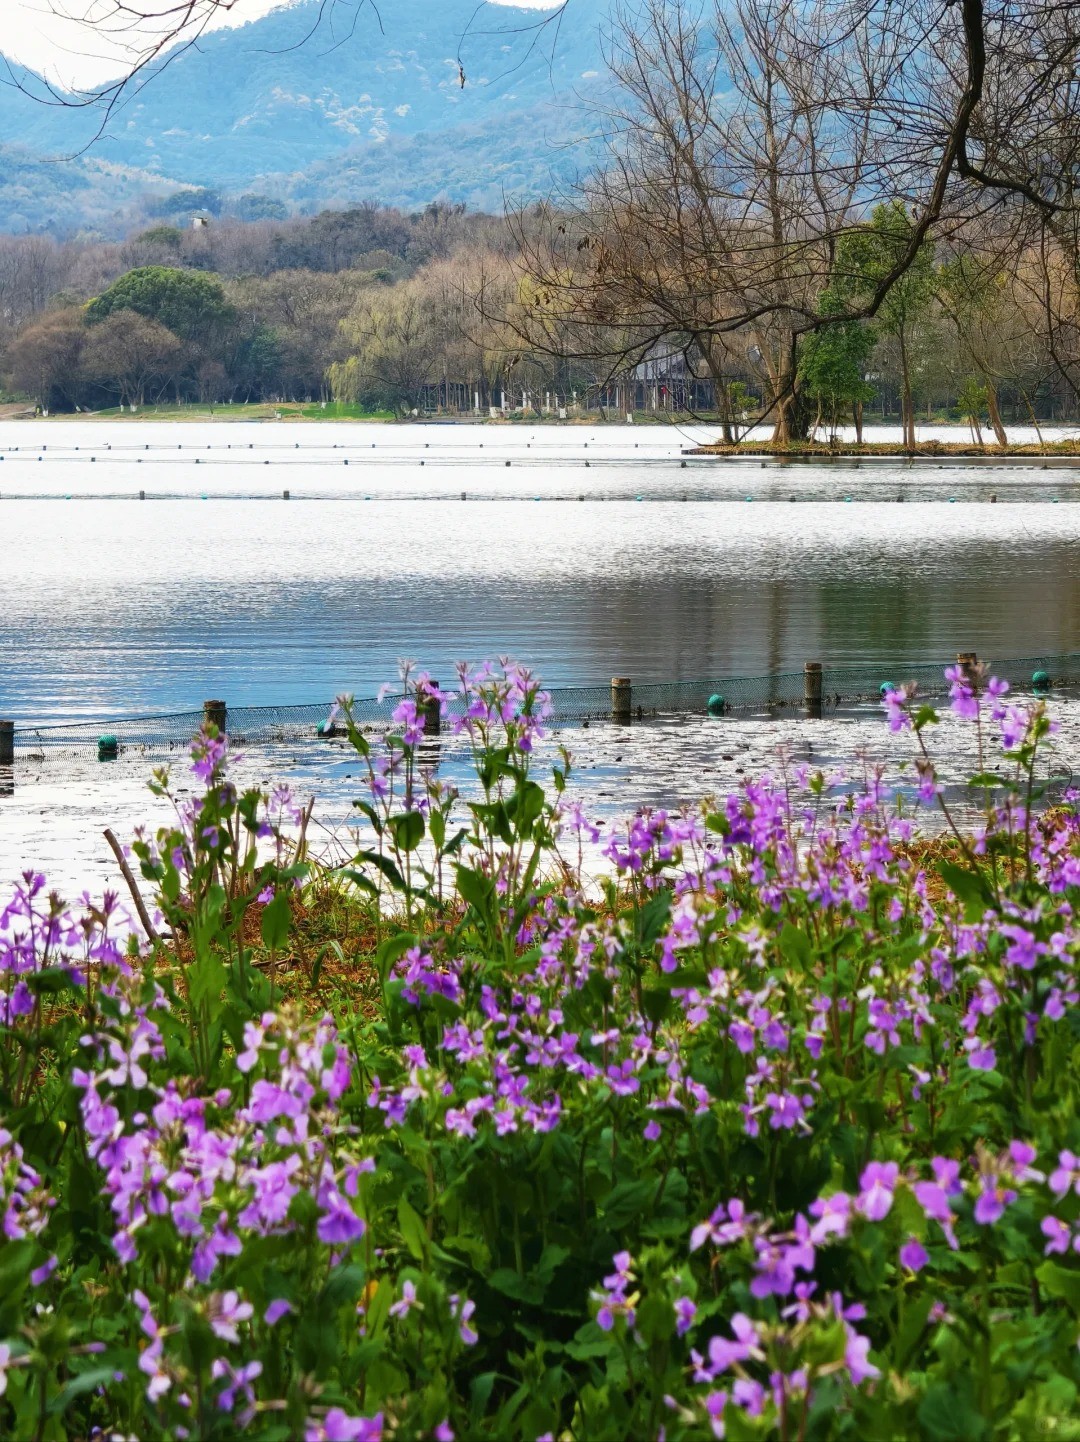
(305, 117)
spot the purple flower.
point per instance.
(1066, 1175)
(855, 1359)
(1058, 1235)
(226, 1313)
(991, 1202)
(833, 1215)
(878, 1182)
(44, 1272)
(408, 1300)
(461, 1311)
(339, 1225)
(963, 700)
(338, 1426)
(914, 1255)
(724, 1353)
(685, 1312)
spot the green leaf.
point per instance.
(475, 889)
(627, 1200)
(385, 865)
(968, 887)
(947, 1416)
(654, 918)
(50, 981)
(80, 1385)
(480, 1394)
(276, 920)
(206, 979)
(408, 830)
(521, 1289)
(391, 950)
(365, 883)
(795, 945)
(372, 815)
(412, 1229)
(657, 1003)
(1060, 1282)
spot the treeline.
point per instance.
(450, 311)
(372, 306)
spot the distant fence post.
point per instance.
(7, 743)
(215, 713)
(812, 689)
(431, 710)
(621, 698)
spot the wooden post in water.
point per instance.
(621, 698)
(7, 743)
(431, 710)
(215, 713)
(812, 680)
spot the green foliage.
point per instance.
(867, 256)
(832, 364)
(191, 305)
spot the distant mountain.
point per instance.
(317, 114)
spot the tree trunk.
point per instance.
(995, 414)
(713, 353)
(907, 405)
(857, 412)
(1031, 413)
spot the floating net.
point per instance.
(781, 695)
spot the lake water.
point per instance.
(214, 585)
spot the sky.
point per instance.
(35, 35)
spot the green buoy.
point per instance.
(715, 704)
(1041, 681)
(108, 748)
(886, 688)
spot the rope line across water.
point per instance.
(844, 689)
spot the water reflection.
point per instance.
(122, 608)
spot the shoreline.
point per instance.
(889, 450)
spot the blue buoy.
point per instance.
(1041, 681)
(715, 704)
(108, 748)
(885, 688)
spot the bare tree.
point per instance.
(130, 352)
(752, 135)
(43, 362)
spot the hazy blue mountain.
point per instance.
(320, 114)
